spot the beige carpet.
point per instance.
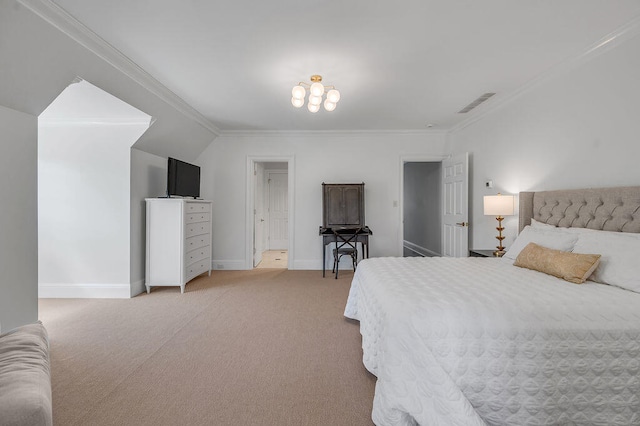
(261, 347)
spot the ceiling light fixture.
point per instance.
(316, 91)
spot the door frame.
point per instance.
(250, 205)
(411, 159)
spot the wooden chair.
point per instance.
(346, 244)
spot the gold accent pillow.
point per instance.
(573, 267)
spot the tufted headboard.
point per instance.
(608, 209)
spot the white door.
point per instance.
(455, 180)
(258, 214)
(278, 210)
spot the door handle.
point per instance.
(261, 220)
(462, 223)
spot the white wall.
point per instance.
(579, 129)
(148, 180)
(84, 209)
(331, 158)
(18, 219)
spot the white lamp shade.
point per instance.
(313, 108)
(329, 106)
(333, 96)
(298, 92)
(315, 100)
(297, 102)
(317, 89)
(498, 205)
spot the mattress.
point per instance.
(475, 341)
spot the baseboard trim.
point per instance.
(422, 251)
(84, 291)
(232, 265)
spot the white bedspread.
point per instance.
(476, 341)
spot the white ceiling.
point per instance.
(84, 102)
(399, 65)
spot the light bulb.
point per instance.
(315, 100)
(329, 106)
(317, 89)
(298, 92)
(297, 102)
(313, 108)
(333, 96)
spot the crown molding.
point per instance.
(349, 133)
(93, 121)
(63, 21)
(610, 41)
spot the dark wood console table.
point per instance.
(360, 235)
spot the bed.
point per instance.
(480, 341)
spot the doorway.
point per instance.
(421, 208)
(269, 203)
(450, 196)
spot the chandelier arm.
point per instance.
(304, 84)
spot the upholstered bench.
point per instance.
(25, 378)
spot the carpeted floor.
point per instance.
(261, 347)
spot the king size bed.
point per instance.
(477, 341)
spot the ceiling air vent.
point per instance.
(475, 103)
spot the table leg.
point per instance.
(324, 255)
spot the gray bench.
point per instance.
(25, 377)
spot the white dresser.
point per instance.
(178, 241)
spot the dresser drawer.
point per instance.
(197, 241)
(198, 217)
(202, 253)
(201, 228)
(197, 268)
(197, 207)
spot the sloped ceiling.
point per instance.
(38, 61)
(400, 65)
(201, 69)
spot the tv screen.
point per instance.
(183, 179)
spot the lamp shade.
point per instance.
(498, 205)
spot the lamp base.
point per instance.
(499, 253)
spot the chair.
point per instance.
(346, 244)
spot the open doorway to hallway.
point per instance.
(422, 208)
(271, 214)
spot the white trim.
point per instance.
(250, 201)
(606, 43)
(92, 121)
(415, 158)
(422, 251)
(63, 21)
(84, 291)
(229, 265)
(324, 133)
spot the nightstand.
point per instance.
(481, 253)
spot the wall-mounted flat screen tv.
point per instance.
(183, 179)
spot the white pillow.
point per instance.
(549, 238)
(541, 225)
(620, 261)
(547, 227)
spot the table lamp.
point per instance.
(499, 206)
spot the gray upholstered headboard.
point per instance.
(608, 209)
